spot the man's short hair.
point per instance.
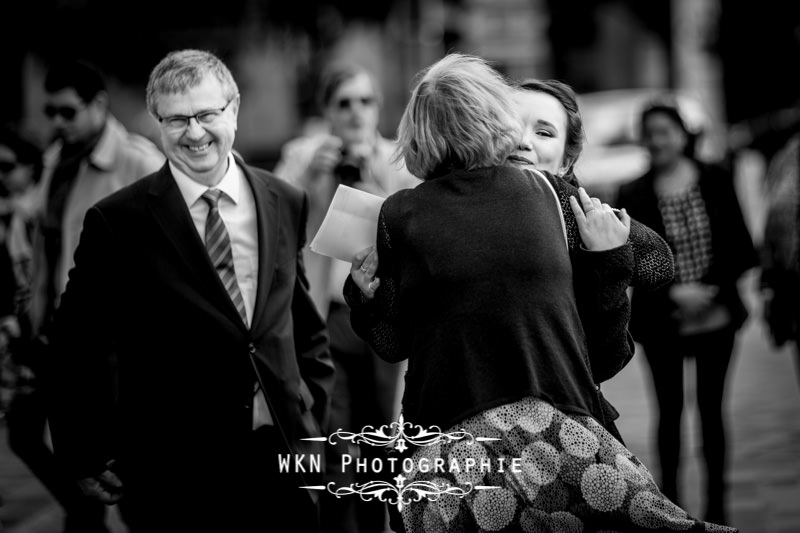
(76, 74)
(181, 70)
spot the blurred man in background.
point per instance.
(349, 150)
(93, 155)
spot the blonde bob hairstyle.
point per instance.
(460, 116)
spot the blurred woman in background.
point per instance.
(694, 206)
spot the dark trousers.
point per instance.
(364, 395)
(712, 355)
(26, 421)
(248, 496)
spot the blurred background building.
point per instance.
(734, 63)
(736, 60)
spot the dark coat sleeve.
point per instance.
(654, 264)
(311, 335)
(601, 281)
(78, 375)
(376, 320)
(732, 242)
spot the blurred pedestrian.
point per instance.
(21, 165)
(20, 170)
(192, 278)
(9, 330)
(780, 275)
(92, 156)
(474, 284)
(12, 178)
(350, 151)
(694, 206)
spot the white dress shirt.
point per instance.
(237, 208)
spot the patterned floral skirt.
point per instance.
(532, 468)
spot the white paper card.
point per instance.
(349, 226)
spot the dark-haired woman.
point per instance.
(694, 207)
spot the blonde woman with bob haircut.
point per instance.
(476, 287)
(435, 133)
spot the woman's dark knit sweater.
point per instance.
(477, 292)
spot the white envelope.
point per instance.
(349, 226)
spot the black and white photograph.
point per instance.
(410, 266)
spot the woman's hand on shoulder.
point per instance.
(363, 268)
(601, 227)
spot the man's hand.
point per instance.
(105, 487)
(599, 226)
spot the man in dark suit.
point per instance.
(192, 280)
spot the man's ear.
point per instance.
(101, 100)
(235, 111)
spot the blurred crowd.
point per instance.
(46, 191)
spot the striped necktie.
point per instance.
(218, 245)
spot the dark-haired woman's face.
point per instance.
(544, 140)
(663, 138)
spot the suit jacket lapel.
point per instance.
(267, 216)
(173, 217)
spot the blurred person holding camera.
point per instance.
(694, 207)
(349, 151)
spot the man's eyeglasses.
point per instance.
(7, 166)
(65, 111)
(206, 117)
(347, 103)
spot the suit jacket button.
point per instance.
(252, 348)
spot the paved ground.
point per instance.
(763, 414)
(764, 426)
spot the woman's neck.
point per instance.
(676, 177)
